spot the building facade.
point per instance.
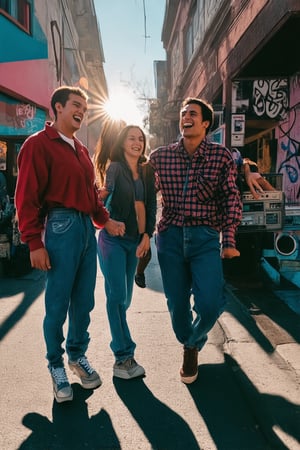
(48, 44)
(236, 55)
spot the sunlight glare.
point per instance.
(122, 106)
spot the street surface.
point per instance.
(247, 395)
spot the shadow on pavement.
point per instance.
(272, 411)
(242, 315)
(223, 408)
(257, 293)
(269, 304)
(261, 302)
(164, 428)
(72, 428)
(31, 287)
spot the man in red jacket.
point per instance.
(56, 201)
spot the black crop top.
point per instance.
(139, 190)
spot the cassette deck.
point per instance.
(263, 214)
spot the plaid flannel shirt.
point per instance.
(198, 190)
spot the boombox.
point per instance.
(287, 241)
(264, 214)
(291, 217)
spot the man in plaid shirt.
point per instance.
(201, 202)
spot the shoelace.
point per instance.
(59, 375)
(85, 365)
(130, 362)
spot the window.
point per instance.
(4, 4)
(191, 31)
(189, 43)
(19, 11)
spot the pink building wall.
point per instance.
(29, 79)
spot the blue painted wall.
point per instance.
(17, 45)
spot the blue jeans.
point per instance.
(118, 261)
(190, 263)
(71, 243)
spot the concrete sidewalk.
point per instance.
(246, 396)
(265, 358)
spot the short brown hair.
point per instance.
(62, 93)
(206, 109)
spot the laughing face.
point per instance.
(70, 116)
(134, 144)
(192, 124)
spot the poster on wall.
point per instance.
(238, 123)
(237, 130)
(3, 153)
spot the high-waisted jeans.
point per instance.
(71, 243)
(191, 265)
(118, 261)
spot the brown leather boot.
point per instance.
(189, 369)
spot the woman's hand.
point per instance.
(143, 246)
(103, 193)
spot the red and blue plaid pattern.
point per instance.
(198, 190)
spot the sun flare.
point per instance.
(122, 105)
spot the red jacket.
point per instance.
(52, 174)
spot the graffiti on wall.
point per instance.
(288, 136)
(24, 112)
(270, 98)
(19, 118)
(261, 99)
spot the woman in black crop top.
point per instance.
(129, 195)
(109, 132)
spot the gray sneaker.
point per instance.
(61, 387)
(89, 378)
(128, 369)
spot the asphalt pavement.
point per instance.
(246, 397)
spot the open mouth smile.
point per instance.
(77, 118)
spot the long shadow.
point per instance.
(257, 293)
(264, 301)
(224, 410)
(242, 315)
(163, 427)
(241, 418)
(30, 287)
(272, 411)
(72, 428)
